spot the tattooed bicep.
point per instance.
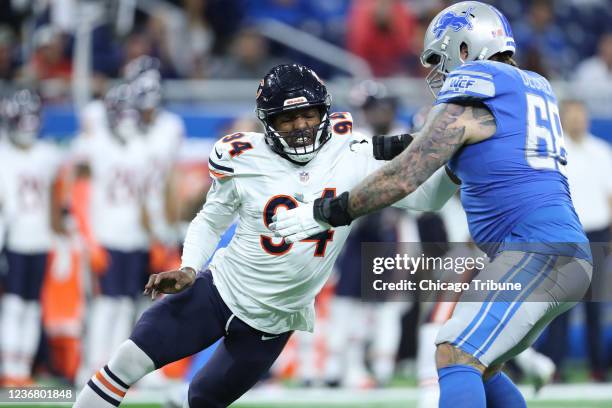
(473, 118)
(479, 123)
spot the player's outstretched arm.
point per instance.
(206, 228)
(448, 127)
(201, 240)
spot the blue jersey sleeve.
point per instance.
(471, 81)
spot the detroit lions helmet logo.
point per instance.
(454, 21)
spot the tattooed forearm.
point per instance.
(443, 134)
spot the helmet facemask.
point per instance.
(436, 77)
(298, 145)
(285, 89)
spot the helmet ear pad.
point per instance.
(289, 87)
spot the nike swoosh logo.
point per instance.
(356, 142)
(217, 153)
(264, 337)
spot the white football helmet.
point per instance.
(481, 27)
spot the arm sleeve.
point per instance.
(213, 219)
(431, 195)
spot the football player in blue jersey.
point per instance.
(497, 127)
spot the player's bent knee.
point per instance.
(447, 355)
(130, 363)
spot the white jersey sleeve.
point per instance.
(430, 196)
(216, 215)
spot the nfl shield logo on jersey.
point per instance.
(304, 177)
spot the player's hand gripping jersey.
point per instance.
(514, 188)
(266, 282)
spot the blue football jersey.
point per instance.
(514, 189)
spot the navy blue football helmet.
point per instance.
(291, 87)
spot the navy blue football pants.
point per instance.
(186, 323)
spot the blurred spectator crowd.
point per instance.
(222, 38)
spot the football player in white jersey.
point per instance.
(163, 133)
(259, 289)
(113, 159)
(31, 210)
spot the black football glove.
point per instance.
(387, 147)
(333, 211)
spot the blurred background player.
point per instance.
(378, 109)
(162, 133)
(31, 209)
(113, 159)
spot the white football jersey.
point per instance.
(117, 188)
(163, 141)
(26, 183)
(267, 283)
